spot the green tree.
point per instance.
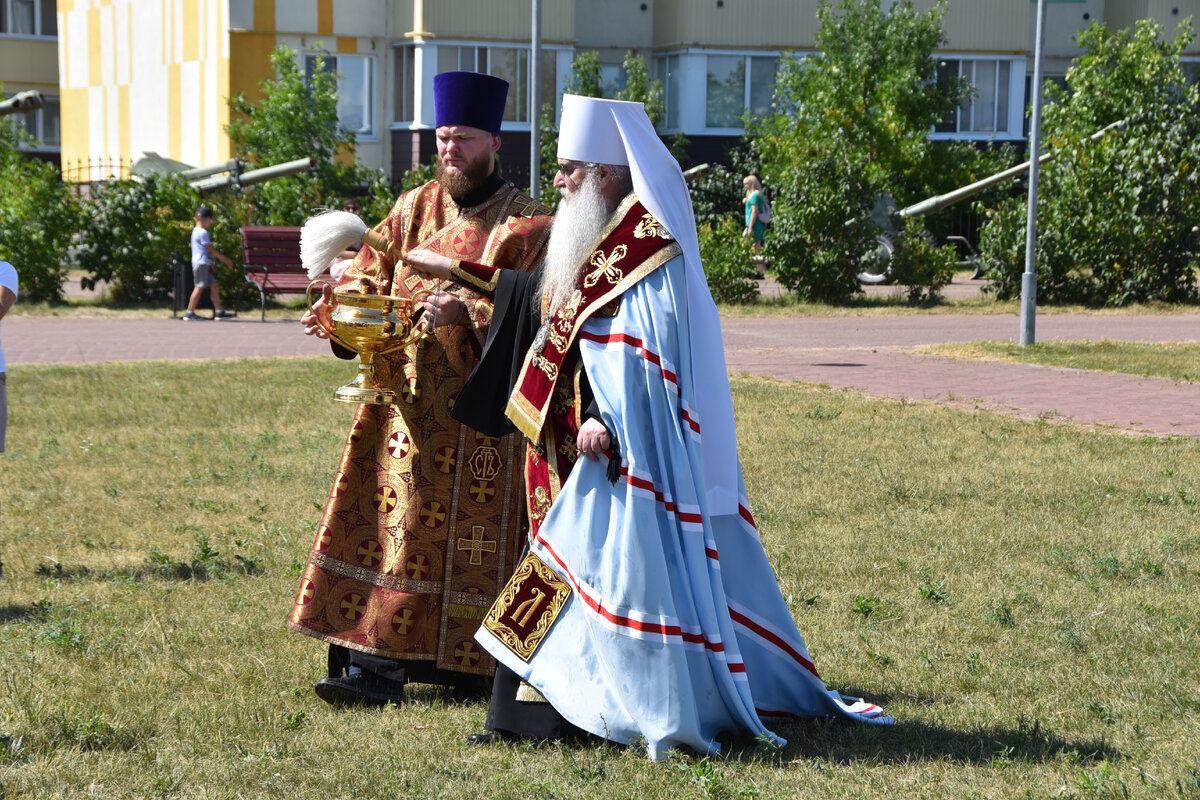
(641, 88)
(850, 127)
(1115, 216)
(297, 118)
(585, 75)
(39, 214)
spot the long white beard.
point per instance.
(580, 217)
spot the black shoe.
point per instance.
(358, 690)
(223, 314)
(483, 738)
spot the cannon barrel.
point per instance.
(935, 204)
(22, 102)
(695, 172)
(234, 165)
(256, 175)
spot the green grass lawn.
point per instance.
(1021, 596)
(1178, 361)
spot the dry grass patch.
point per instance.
(1177, 361)
(1022, 597)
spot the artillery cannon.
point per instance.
(237, 179)
(877, 263)
(206, 178)
(22, 103)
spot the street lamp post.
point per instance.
(1029, 278)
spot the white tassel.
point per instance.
(325, 235)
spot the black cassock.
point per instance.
(480, 405)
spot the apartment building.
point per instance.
(154, 75)
(29, 61)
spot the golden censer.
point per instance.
(368, 324)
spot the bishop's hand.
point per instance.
(429, 263)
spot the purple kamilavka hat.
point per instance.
(469, 98)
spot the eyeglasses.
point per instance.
(567, 169)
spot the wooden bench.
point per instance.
(271, 261)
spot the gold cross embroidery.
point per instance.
(605, 266)
(477, 545)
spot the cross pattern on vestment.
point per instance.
(477, 545)
(369, 554)
(353, 606)
(466, 654)
(403, 621)
(409, 391)
(386, 499)
(444, 459)
(432, 514)
(482, 491)
(417, 567)
(466, 242)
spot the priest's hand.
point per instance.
(428, 262)
(442, 308)
(593, 439)
(319, 308)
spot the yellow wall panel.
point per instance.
(124, 120)
(191, 30)
(94, 48)
(223, 109)
(264, 16)
(325, 17)
(250, 63)
(347, 44)
(73, 124)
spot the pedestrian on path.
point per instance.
(757, 215)
(203, 274)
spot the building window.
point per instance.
(28, 18)
(356, 90)
(667, 72)
(988, 111)
(509, 63)
(405, 79)
(41, 125)
(1191, 70)
(737, 84)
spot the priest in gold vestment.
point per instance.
(424, 521)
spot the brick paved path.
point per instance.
(868, 354)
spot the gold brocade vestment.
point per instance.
(424, 522)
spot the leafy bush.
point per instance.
(726, 256)
(919, 264)
(135, 228)
(812, 248)
(1115, 216)
(852, 126)
(39, 214)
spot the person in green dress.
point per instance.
(755, 228)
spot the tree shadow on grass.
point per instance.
(22, 613)
(843, 741)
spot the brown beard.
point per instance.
(461, 184)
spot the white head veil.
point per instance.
(619, 132)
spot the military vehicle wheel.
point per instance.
(877, 263)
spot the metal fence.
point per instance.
(96, 170)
